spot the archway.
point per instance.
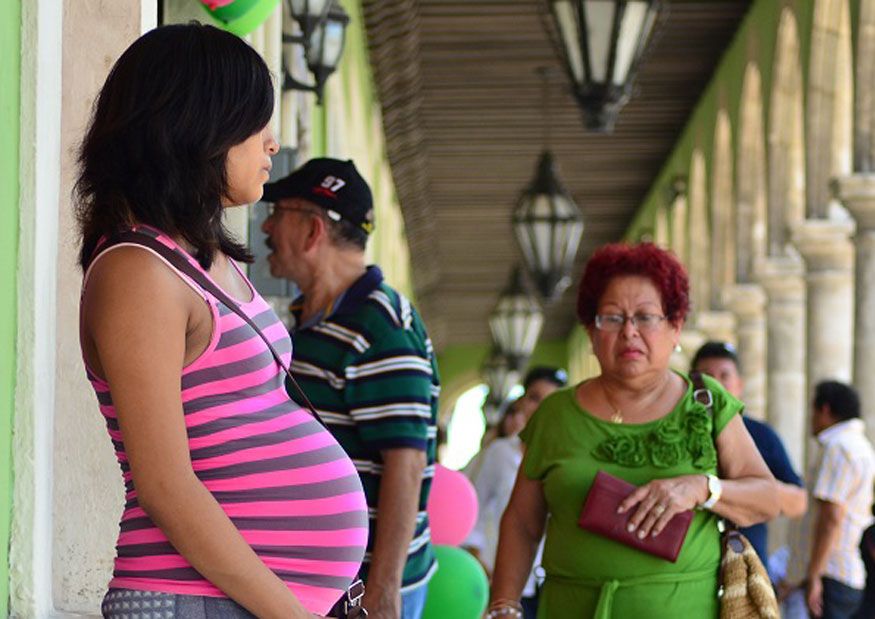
(722, 211)
(830, 97)
(661, 235)
(699, 260)
(678, 210)
(864, 101)
(786, 139)
(750, 231)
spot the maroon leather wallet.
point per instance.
(599, 515)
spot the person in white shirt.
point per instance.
(843, 493)
(493, 480)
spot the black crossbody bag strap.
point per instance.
(183, 265)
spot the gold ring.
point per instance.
(659, 509)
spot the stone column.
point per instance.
(748, 303)
(716, 325)
(829, 259)
(786, 402)
(857, 193)
(703, 326)
(690, 341)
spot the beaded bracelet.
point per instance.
(505, 608)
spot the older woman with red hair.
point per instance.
(644, 423)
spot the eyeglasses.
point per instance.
(330, 213)
(272, 209)
(615, 322)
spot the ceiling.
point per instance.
(464, 117)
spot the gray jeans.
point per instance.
(131, 604)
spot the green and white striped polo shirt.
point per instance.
(369, 368)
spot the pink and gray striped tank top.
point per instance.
(287, 485)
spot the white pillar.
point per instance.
(690, 340)
(68, 494)
(30, 556)
(857, 193)
(829, 259)
(716, 325)
(786, 403)
(748, 303)
(710, 325)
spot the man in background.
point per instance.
(719, 360)
(362, 355)
(843, 494)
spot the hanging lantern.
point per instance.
(323, 31)
(548, 226)
(326, 45)
(516, 321)
(500, 377)
(602, 43)
(309, 14)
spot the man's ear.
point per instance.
(316, 231)
(827, 410)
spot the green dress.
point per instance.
(588, 575)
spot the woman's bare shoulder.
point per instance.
(133, 277)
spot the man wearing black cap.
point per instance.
(363, 357)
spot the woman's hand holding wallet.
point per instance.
(602, 514)
(660, 500)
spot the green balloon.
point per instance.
(231, 11)
(257, 11)
(459, 589)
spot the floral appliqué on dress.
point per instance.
(675, 439)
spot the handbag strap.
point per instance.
(702, 394)
(729, 535)
(182, 264)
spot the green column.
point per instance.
(10, 75)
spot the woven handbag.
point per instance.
(745, 590)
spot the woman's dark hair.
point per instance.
(172, 106)
(715, 350)
(644, 260)
(512, 408)
(554, 375)
(346, 234)
(843, 401)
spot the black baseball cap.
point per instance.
(331, 184)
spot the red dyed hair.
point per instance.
(643, 260)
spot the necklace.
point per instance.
(617, 416)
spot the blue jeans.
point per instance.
(530, 606)
(413, 602)
(839, 600)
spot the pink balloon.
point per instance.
(215, 4)
(452, 506)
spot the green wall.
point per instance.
(754, 42)
(10, 70)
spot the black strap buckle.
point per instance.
(703, 396)
(701, 393)
(350, 605)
